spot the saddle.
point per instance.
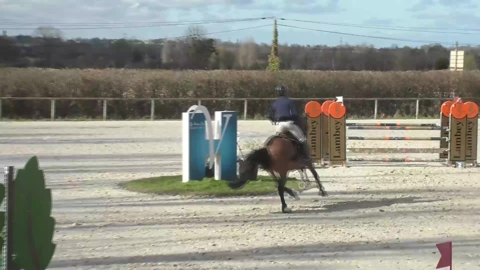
(288, 136)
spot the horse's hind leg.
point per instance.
(292, 193)
(317, 179)
(305, 183)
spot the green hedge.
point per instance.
(119, 83)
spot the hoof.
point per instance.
(323, 193)
(296, 196)
(286, 210)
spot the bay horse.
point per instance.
(279, 155)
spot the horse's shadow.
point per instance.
(359, 204)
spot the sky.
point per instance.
(453, 20)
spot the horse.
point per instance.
(279, 155)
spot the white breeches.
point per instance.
(294, 129)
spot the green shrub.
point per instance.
(119, 83)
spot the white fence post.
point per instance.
(104, 110)
(52, 109)
(417, 108)
(376, 109)
(1, 109)
(152, 109)
(245, 108)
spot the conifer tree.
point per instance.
(273, 59)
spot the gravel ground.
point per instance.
(378, 216)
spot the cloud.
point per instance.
(313, 7)
(74, 11)
(56, 12)
(95, 11)
(457, 3)
(310, 7)
(456, 18)
(195, 4)
(105, 10)
(423, 5)
(377, 21)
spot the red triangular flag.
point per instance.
(445, 255)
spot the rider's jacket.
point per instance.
(283, 109)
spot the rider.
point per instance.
(283, 113)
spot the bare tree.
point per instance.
(48, 32)
(247, 54)
(226, 58)
(196, 32)
(180, 54)
(167, 52)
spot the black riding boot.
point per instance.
(306, 152)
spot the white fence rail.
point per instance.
(199, 101)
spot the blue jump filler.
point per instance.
(201, 148)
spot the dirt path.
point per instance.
(378, 216)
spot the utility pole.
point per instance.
(456, 54)
(452, 93)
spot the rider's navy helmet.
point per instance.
(281, 90)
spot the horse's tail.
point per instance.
(257, 158)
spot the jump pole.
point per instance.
(388, 125)
(445, 147)
(466, 137)
(394, 160)
(387, 138)
(394, 128)
(397, 150)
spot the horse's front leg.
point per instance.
(281, 191)
(288, 190)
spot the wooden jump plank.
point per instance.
(389, 125)
(397, 150)
(395, 160)
(394, 128)
(387, 138)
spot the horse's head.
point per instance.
(248, 168)
(247, 171)
(244, 175)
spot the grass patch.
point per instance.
(173, 185)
